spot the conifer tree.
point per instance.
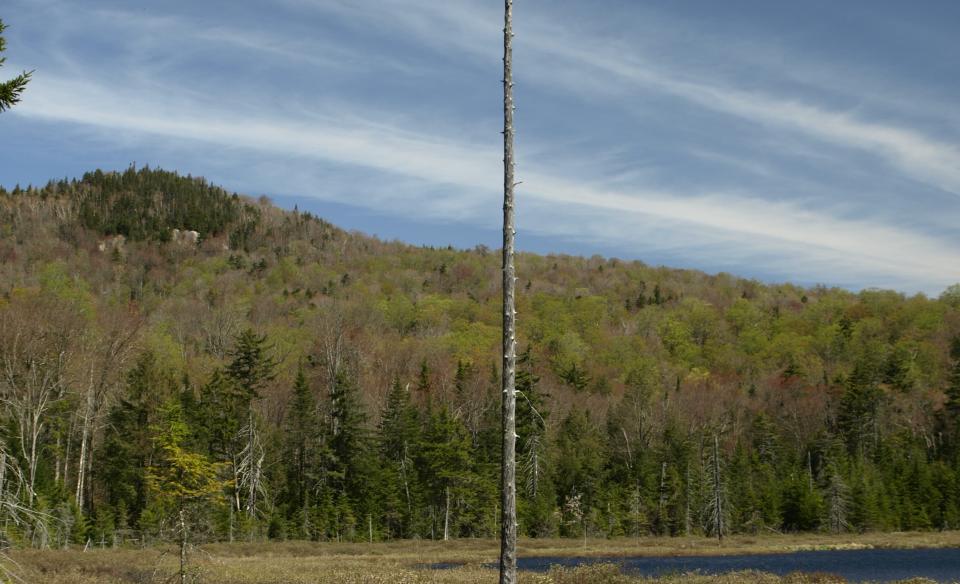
(306, 456)
(399, 437)
(717, 509)
(537, 498)
(857, 416)
(129, 442)
(444, 465)
(836, 497)
(951, 407)
(351, 445)
(578, 459)
(11, 90)
(801, 505)
(251, 369)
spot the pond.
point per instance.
(873, 565)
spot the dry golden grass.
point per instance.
(406, 561)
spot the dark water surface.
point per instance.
(871, 565)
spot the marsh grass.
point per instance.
(409, 561)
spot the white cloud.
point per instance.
(816, 244)
(473, 28)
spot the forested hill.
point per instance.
(323, 384)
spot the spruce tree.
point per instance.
(352, 447)
(250, 369)
(11, 90)
(251, 366)
(836, 501)
(305, 457)
(536, 495)
(858, 410)
(717, 508)
(951, 407)
(399, 436)
(445, 467)
(128, 439)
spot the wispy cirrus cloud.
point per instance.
(471, 27)
(735, 224)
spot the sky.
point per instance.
(814, 142)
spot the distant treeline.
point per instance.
(279, 377)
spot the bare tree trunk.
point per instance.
(717, 489)
(508, 487)
(66, 455)
(251, 445)
(183, 548)
(446, 516)
(116, 348)
(536, 470)
(84, 440)
(662, 499)
(56, 464)
(688, 516)
(406, 485)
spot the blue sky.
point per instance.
(813, 142)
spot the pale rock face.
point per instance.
(185, 237)
(112, 243)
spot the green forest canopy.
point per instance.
(343, 387)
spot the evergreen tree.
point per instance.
(537, 499)
(579, 455)
(250, 369)
(399, 437)
(251, 366)
(801, 505)
(866, 509)
(950, 418)
(352, 448)
(11, 90)
(128, 440)
(857, 416)
(836, 501)
(306, 456)
(717, 507)
(445, 468)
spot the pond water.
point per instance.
(873, 565)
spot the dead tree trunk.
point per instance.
(183, 548)
(88, 413)
(508, 487)
(446, 516)
(717, 491)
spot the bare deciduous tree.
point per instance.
(15, 515)
(105, 356)
(34, 345)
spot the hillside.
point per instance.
(343, 387)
